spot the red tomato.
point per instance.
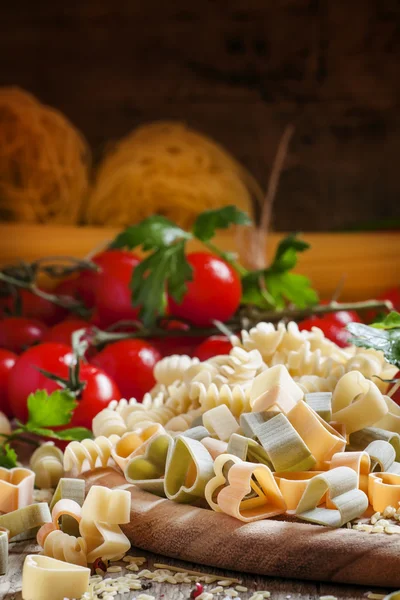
(25, 378)
(213, 346)
(333, 325)
(130, 363)
(112, 263)
(344, 317)
(62, 332)
(176, 344)
(18, 333)
(35, 307)
(214, 293)
(394, 296)
(7, 361)
(113, 294)
(98, 392)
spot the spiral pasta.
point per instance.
(239, 366)
(108, 422)
(307, 362)
(47, 464)
(172, 368)
(372, 365)
(89, 454)
(312, 383)
(65, 547)
(235, 397)
(268, 339)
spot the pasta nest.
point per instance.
(166, 168)
(44, 162)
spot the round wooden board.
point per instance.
(270, 547)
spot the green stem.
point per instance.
(247, 318)
(74, 306)
(226, 256)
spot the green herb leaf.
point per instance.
(286, 254)
(71, 434)
(8, 457)
(386, 340)
(290, 287)
(276, 286)
(167, 269)
(209, 221)
(49, 411)
(151, 233)
(391, 321)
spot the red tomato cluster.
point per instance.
(41, 337)
(333, 325)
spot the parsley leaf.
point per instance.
(286, 253)
(151, 233)
(386, 340)
(71, 434)
(8, 457)
(391, 321)
(209, 221)
(167, 269)
(276, 286)
(49, 411)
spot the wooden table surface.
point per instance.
(280, 589)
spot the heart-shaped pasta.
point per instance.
(384, 490)
(293, 485)
(357, 402)
(147, 470)
(134, 443)
(349, 502)
(16, 488)
(360, 462)
(46, 578)
(221, 466)
(189, 468)
(251, 492)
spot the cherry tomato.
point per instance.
(130, 363)
(7, 361)
(116, 263)
(394, 296)
(25, 378)
(35, 307)
(333, 325)
(176, 344)
(213, 346)
(98, 392)
(113, 294)
(214, 292)
(344, 317)
(62, 332)
(19, 333)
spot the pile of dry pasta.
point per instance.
(161, 168)
(169, 169)
(287, 423)
(44, 162)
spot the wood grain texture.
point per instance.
(239, 71)
(271, 547)
(367, 263)
(280, 589)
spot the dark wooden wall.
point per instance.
(238, 70)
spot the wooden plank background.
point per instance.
(374, 266)
(239, 70)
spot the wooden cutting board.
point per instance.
(275, 548)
